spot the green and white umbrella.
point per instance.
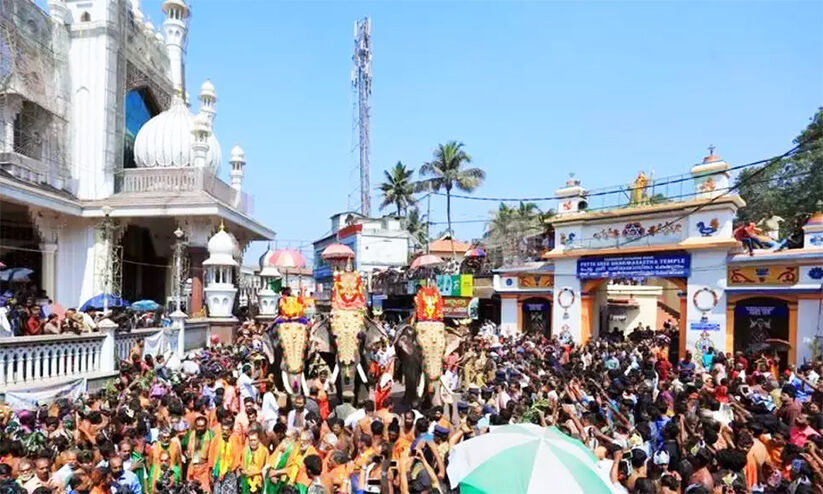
(525, 459)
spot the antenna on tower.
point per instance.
(361, 82)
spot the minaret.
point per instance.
(175, 27)
(208, 99)
(58, 11)
(237, 162)
(200, 147)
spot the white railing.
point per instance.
(184, 179)
(30, 359)
(124, 342)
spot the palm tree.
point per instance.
(447, 172)
(398, 189)
(415, 224)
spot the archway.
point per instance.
(20, 247)
(759, 319)
(536, 316)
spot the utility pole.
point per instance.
(361, 82)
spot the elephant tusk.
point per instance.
(287, 383)
(304, 384)
(362, 373)
(421, 385)
(333, 377)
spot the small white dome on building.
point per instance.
(149, 26)
(237, 154)
(165, 141)
(207, 89)
(159, 37)
(267, 268)
(222, 248)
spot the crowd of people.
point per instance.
(217, 422)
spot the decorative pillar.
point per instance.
(586, 302)
(684, 308)
(793, 332)
(8, 113)
(196, 257)
(107, 354)
(48, 264)
(178, 318)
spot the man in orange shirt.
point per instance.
(224, 457)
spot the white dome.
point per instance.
(207, 89)
(165, 141)
(266, 266)
(222, 248)
(237, 154)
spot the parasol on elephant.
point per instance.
(430, 333)
(292, 329)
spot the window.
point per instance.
(140, 108)
(85, 17)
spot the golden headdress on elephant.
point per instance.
(348, 306)
(291, 326)
(430, 330)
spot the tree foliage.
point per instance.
(398, 189)
(415, 224)
(790, 187)
(447, 171)
(509, 226)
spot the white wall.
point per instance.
(565, 276)
(75, 264)
(508, 315)
(381, 251)
(645, 313)
(708, 270)
(809, 325)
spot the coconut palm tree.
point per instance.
(415, 224)
(398, 189)
(447, 171)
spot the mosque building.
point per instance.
(109, 171)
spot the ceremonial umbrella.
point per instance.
(476, 252)
(337, 251)
(525, 458)
(427, 261)
(287, 258)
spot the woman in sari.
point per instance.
(253, 462)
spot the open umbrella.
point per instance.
(525, 458)
(337, 252)
(287, 258)
(145, 305)
(427, 261)
(16, 274)
(103, 300)
(476, 252)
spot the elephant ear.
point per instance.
(374, 332)
(406, 342)
(320, 334)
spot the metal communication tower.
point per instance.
(361, 82)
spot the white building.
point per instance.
(101, 156)
(378, 243)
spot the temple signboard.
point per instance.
(649, 266)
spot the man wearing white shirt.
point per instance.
(296, 419)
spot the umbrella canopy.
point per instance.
(145, 305)
(426, 261)
(525, 458)
(287, 258)
(337, 251)
(476, 252)
(2, 266)
(16, 274)
(103, 300)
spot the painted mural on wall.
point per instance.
(763, 275)
(535, 281)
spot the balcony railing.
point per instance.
(34, 171)
(34, 359)
(176, 180)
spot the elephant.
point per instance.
(285, 349)
(421, 372)
(344, 349)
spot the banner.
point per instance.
(32, 399)
(651, 266)
(466, 285)
(456, 307)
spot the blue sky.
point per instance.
(535, 90)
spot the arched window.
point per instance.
(85, 17)
(140, 108)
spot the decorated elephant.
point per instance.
(347, 333)
(420, 347)
(293, 336)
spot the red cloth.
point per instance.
(32, 326)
